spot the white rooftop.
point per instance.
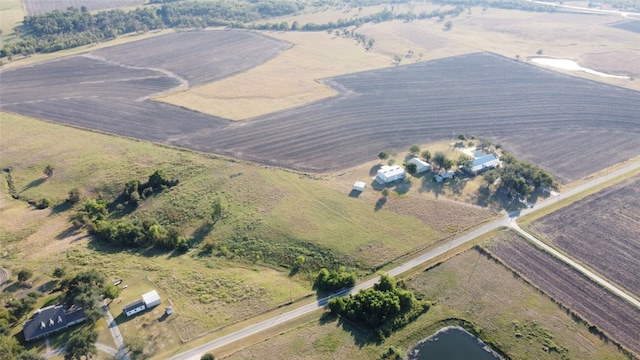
(150, 297)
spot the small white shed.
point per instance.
(359, 186)
(420, 165)
(151, 299)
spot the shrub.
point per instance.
(44, 203)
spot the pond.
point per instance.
(452, 343)
(572, 66)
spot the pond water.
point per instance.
(572, 66)
(452, 343)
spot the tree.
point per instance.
(208, 356)
(24, 275)
(448, 164)
(414, 149)
(426, 155)
(74, 196)
(464, 161)
(81, 344)
(59, 272)
(48, 170)
(111, 291)
(385, 192)
(383, 155)
(439, 158)
(219, 209)
(412, 168)
(29, 355)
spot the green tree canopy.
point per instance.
(81, 344)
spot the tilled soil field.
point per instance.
(602, 231)
(600, 307)
(38, 7)
(480, 94)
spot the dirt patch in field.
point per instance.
(572, 289)
(602, 231)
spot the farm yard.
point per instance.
(388, 108)
(38, 7)
(593, 303)
(601, 231)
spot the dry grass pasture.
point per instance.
(272, 208)
(601, 231)
(468, 286)
(593, 303)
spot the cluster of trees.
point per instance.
(383, 309)
(134, 191)
(60, 30)
(519, 178)
(95, 215)
(10, 348)
(334, 280)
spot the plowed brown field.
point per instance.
(602, 231)
(600, 307)
(543, 116)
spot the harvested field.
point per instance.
(39, 7)
(633, 25)
(481, 94)
(598, 306)
(604, 232)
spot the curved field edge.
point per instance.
(606, 314)
(605, 232)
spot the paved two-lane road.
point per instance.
(196, 353)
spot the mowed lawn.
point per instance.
(471, 287)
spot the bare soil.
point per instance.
(602, 231)
(389, 108)
(598, 306)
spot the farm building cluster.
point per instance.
(390, 173)
(147, 301)
(51, 319)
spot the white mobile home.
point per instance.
(388, 174)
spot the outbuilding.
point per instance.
(388, 174)
(134, 308)
(359, 186)
(484, 162)
(445, 175)
(421, 166)
(151, 299)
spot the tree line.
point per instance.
(74, 27)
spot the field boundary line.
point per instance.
(622, 293)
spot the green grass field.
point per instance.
(273, 217)
(468, 287)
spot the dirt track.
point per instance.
(541, 115)
(602, 231)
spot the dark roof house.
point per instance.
(50, 319)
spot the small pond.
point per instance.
(572, 66)
(452, 343)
